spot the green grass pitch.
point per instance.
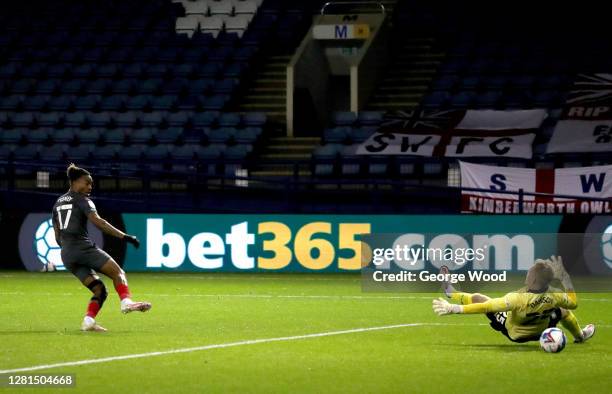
(40, 316)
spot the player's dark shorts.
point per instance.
(498, 323)
(83, 258)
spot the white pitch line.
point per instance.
(215, 346)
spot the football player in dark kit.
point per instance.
(81, 256)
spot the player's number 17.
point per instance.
(68, 208)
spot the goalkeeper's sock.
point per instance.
(123, 291)
(571, 324)
(92, 309)
(461, 298)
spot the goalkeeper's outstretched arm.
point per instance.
(443, 307)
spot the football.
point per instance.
(553, 340)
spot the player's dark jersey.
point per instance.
(70, 216)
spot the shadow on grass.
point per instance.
(507, 347)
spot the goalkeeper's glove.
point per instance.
(556, 264)
(131, 239)
(443, 307)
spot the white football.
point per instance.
(552, 340)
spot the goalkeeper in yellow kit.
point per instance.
(523, 315)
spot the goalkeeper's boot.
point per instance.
(127, 306)
(447, 288)
(587, 333)
(89, 324)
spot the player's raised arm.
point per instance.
(443, 307)
(559, 272)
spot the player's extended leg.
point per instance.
(113, 271)
(93, 283)
(458, 296)
(569, 321)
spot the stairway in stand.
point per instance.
(287, 152)
(409, 76)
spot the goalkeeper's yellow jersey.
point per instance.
(528, 313)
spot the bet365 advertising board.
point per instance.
(331, 243)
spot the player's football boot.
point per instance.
(89, 324)
(447, 288)
(587, 333)
(128, 306)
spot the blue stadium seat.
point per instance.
(169, 136)
(174, 86)
(50, 119)
(336, 135)
(27, 153)
(183, 70)
(73, 86)
(12, 102)
(11, 136)
(157, 71)
(229, 119)
(36, 103)
(201, 86)
(82, 71)
(79, 153)
(344, 118)
(226, 85)
(180, 118)
(256, 119)
(324, 156)
(139, 102)
(132, 152)
(63, 136)
(220, 135)
(152, 119)
(216, 102)
(115, 102)
(141, 136)
(88, 103)
(134, 70)
(39, 136)
(361, 134)
(75, 119)
(54, 153)
(24, 119)
(209, 70)
(470, 82)
(157, 153)
(183, 153)
(248, 135)
(98, 86)
(105, 154)
(127, 119)
(124, 86)
(6, 151)
(89, 136)
(23, 86)
(62, 103)
(235, 69)
(107, 71)
(163, 103)
(100, 119)
(48, 86)
(369, 117)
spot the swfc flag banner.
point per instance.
(584, 182)
(586, 121)
(470, 133)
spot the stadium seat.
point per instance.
(178, 119)
(248, 135)
(90, 102)
(79, 153)
(50, 119)
(89, 136)
(153, 119)
(344, 118)
(11, 136)
(63, 136)
(336, 135)
(257, 119)
(54, 153)
(28, 152)
(170, 135)
(127, 119)
(141, 136)
(211, 25)
(62, 103)
(245, 7)
(105, 154)
(24, 119)
(39, 136)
